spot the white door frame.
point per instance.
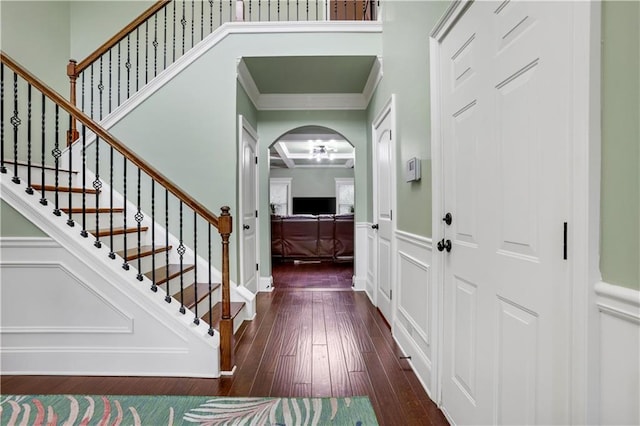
(584, 232)
(244, 125)
(389, 108)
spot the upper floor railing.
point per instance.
(167, 30)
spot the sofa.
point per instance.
(312, 237)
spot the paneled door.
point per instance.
(248, 207)
(383, 190)
(505, 70)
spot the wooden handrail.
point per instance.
(85, 63)
(111, 140)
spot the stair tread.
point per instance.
(167, 272)
(93, 210)
(145, 251)
(216, 313)
(117, 231)
(74, 189)
(40, 166)
(190, 293)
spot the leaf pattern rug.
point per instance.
(159, 410)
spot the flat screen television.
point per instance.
(314, 205)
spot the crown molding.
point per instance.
(309, 101)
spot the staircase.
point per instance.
(154, 238)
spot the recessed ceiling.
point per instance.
(310, 74)
(311, 147)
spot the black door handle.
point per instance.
(448, 218)
(374, 226)
(245, 227)
(444, 245)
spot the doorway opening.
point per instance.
(312, 202)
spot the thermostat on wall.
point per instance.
(412, 173)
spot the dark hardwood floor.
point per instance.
(303, 342)
(312, 274)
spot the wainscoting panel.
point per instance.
(61, 314)
(619, 342)
(371, 265)
(414, 319)
(361, 256)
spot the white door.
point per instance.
(383, 191)
(505, 82)
(248, 207)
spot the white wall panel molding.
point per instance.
(361, 259)
(27, 242)
(90, 310)
(414, 323)
(618, 334)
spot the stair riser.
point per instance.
(204, 307)
(118, 240)
(49, 176)
(146, 263)
(174, 284)
(103, 220)
(63, 199)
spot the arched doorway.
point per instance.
(312, 203)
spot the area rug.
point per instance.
(182, 410)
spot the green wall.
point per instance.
(13, 224)
(405, 49)
(36, 34)
(313, 182)
(245, 107)
(620, 196)
(94, 22)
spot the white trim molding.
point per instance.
(617, 378)
(361, 258)
(266, 284)
(310, 101)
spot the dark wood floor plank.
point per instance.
(340, 385)
(352, 353)
(319, 330)
(320, 374)
(284, 374)
(385, 395)
(251, 346)
(304, 351)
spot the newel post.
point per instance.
(72, 134)
(225, 226)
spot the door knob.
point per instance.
(448, 218)
(444, 245)
(374, 226)
(245, 227)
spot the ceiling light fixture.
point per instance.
(320, 152)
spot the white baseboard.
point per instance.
(359, 283)
(265, 284)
